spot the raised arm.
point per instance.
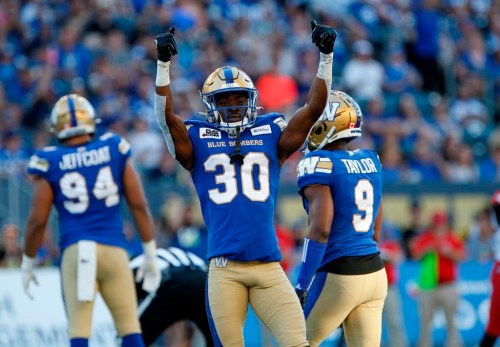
(173, 128)
(296, 132)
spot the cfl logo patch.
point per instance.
(207, 133)
(220, 261)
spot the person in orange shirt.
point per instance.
(439, 250)
(277, 91)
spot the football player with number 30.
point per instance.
(234, 158)
(86, 179)
(342, 194)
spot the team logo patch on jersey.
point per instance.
(265, 129)
(207, 133)
(220, 261)
(281, 122)
(38, 163)
(124, 146)
(314, 164)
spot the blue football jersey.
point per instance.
(238, 200)
(355, 180)
(87, 185)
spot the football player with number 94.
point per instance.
(86, 179)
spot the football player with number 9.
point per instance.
(85, 178)
(342, 279)
(235, 157)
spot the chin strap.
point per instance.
(236, 155)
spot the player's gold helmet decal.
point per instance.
(229, 79)
(71, 116)
(341, 119)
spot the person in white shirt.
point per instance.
(363, 76)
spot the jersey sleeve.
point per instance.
(193, 130)
(314, 169)
(376, 158)
(39, 164)
(118, 145)
(279, 121)
(124, 147)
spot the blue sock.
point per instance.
(132, 340)
(79, 342)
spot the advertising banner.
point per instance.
(42, 321)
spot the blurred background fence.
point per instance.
(462, 202)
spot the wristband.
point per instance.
(149, 248)
(325, 66)
(162, 73)
(27, 263)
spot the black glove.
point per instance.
(323, 37)
(302, 295)
(166, 45)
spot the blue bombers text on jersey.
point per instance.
(355, 180)
(238, 199)
(87, 185)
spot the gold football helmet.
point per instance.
(229, 80)
(341, 119)
(71, 116)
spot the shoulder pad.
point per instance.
(106, 136)
(314, 163)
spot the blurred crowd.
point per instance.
(426, 72)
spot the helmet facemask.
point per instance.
(221, 115)
(226, 82)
